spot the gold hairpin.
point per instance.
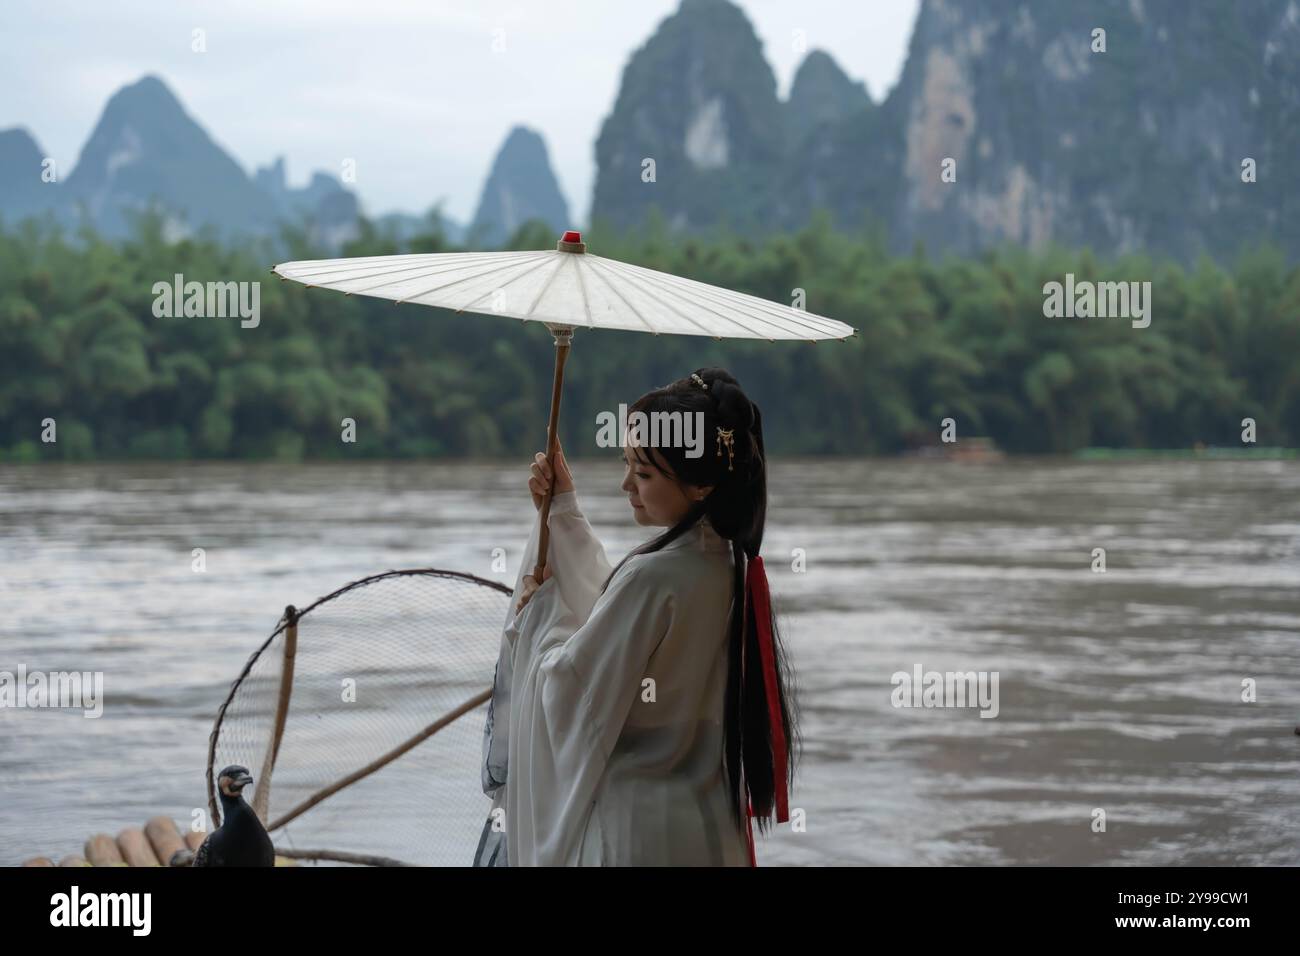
(725, 435)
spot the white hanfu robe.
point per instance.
(611, 706)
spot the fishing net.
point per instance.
(361, 720)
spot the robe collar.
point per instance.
(701, 537)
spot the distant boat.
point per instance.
(970, 450)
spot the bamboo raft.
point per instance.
(157, 843)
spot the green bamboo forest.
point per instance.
(960, 338)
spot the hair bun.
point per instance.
(734, 407)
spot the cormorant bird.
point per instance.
(241, 840)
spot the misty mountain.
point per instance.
(520, 186)
(23, 191)
(328, 210)
(697, 128)
(822, 95)
(1139, 145)
(146, 150)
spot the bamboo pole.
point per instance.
(379, 762)
(341, 856)
(262, 795)
(563, 341)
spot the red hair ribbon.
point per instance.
(749, 835)
(759, 603)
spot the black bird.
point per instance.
(241, 840)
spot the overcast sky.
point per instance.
(412, 90)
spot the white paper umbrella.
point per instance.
(564, 288)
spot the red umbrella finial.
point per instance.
(571, 241)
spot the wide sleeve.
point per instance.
(573, 549)
(573, 685)
(578, 562)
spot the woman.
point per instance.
(635, 718)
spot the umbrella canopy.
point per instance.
(565, 287)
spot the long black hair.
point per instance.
(737, 509)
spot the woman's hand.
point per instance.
(530, 588)
(540, 478)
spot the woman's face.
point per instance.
(656, 497)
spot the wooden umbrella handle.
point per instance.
(563, 340)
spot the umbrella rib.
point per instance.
(668, 290)
(612, 288)
(349, 262)
(355, 264)
(761, 308)
(705, 290)
(450, 267)
(343, 265)
(653, 295)
(671, 289)
(771, 308)
(582, 288)
(559, 264)
(477, 275)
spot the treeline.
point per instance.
(965, 339)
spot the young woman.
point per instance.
(641, 714)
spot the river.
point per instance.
(1119, 692)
